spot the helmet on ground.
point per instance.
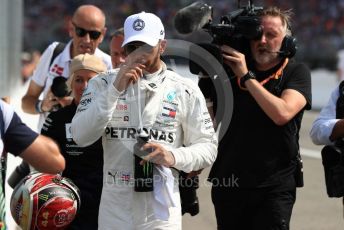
(45, 201)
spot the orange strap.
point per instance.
(275, 75)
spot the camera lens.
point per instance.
(59, 87)
(18, 174)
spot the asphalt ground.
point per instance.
(313, 208)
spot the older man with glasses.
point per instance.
(87, 30)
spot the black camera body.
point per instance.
(333, 162)
(188, 195)
(243, 23)
(235, 29)
(59, 87)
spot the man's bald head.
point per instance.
(87, 28)
(89, 13)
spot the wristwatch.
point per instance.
(243, 79)
(38, 106)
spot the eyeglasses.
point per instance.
(81, 32)
(143, 47)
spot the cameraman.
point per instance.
(254, 176)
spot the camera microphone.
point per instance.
(192, 17)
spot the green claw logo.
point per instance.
(147, 167)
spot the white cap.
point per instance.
(143, 27)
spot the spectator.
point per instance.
(87, 29)
(116, 50)
(84, 166)
(29, 63)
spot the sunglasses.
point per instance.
(143, 47)
(81, 32)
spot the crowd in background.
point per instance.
(318, 24)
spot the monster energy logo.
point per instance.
(43, 197)
(147, 168)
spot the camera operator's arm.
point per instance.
(326, 128)
(280, 109)
(32, 105)
(30, 101)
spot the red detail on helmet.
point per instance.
(44, 201)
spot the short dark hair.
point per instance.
(118, 32)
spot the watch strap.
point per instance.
(243, 79)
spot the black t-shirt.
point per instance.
(84, 165)
(254, 149)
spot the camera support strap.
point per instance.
(58, 49)
(275, 75)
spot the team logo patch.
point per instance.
(171, 95)
(169, 112)
(122, 107)
(138, 24)
(152, 85)
(118, 177)
(121, 119)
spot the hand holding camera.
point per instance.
(235, 60)
(58, 95)
(50, 103)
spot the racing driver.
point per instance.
(143, 95)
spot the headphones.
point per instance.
(289, 45)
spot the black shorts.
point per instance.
(248, 209)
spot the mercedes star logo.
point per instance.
(138, 24)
